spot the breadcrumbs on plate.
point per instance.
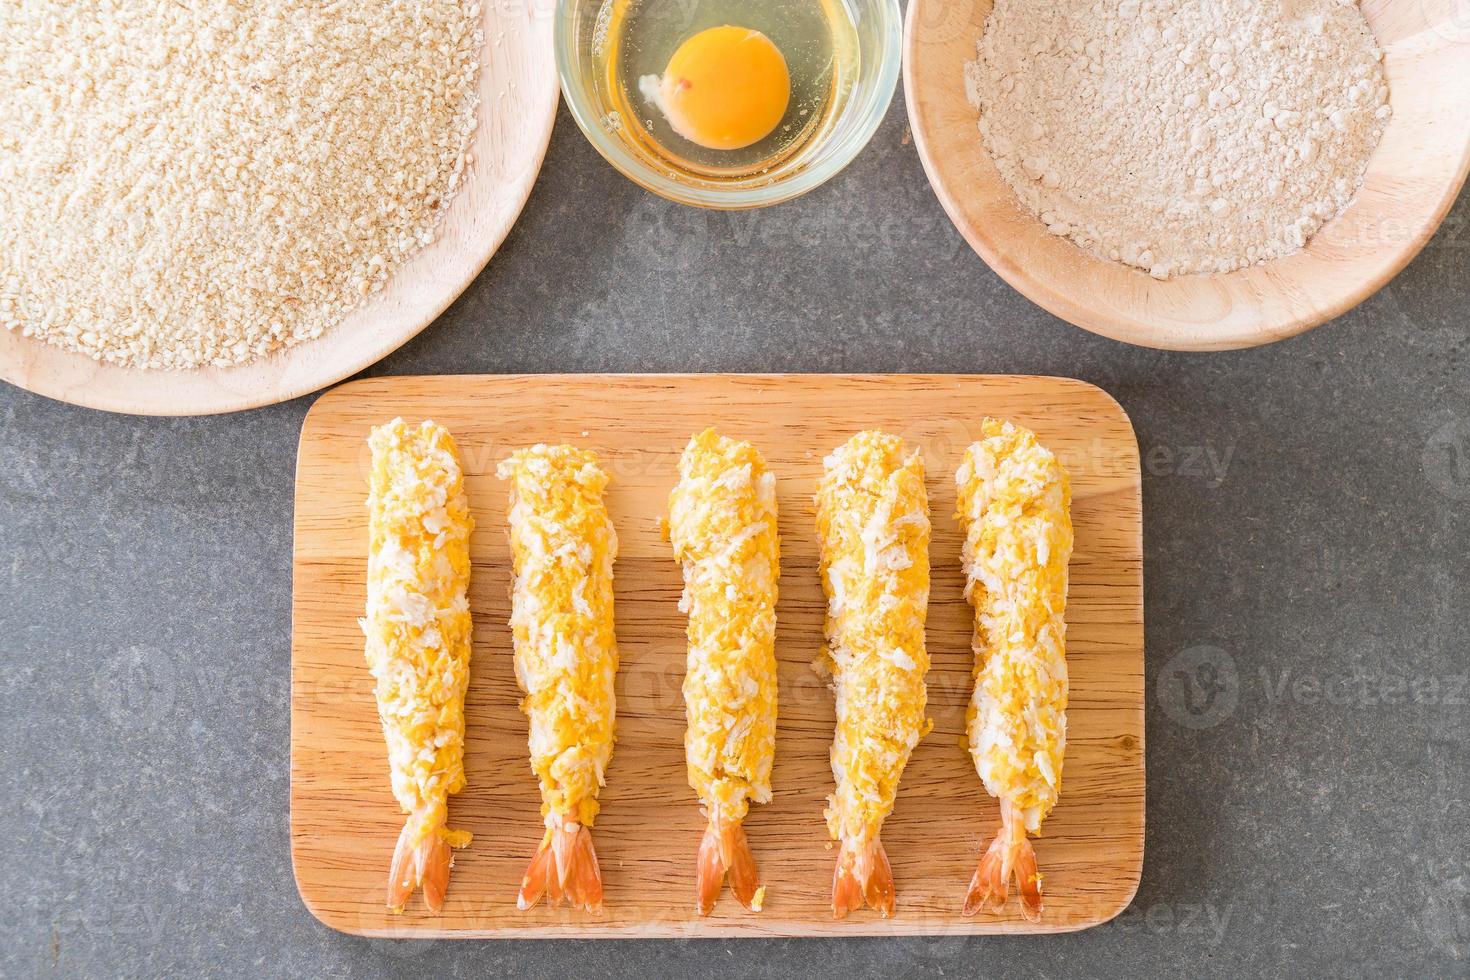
(184, 185)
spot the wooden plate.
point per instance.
(344, 820)
(518, 95)
(1413, 179)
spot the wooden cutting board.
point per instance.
(344, 821)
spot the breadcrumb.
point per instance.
(199, 184)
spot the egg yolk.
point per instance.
(725, 88)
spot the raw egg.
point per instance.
(724, 88)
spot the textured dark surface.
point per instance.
(1307, 521)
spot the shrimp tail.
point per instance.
(1009, 855)
(564, 868)
(862, 876)
(723, 851)
(1028, 879)
(420, 859)
(988, 886)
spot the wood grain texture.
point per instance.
(344, 820)
(1412, 181)
(518, 96)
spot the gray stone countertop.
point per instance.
(1307, 525)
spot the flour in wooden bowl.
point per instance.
(203, 183)
(1181, 136)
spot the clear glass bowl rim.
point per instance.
(860, 119)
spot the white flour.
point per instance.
(1181, 136)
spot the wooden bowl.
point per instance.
(518, 96)
(1412, 180)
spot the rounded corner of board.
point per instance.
(1112, 404)
(333, 396)
(1119, 903)
(331, 918)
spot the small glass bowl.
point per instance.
(879, 31)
